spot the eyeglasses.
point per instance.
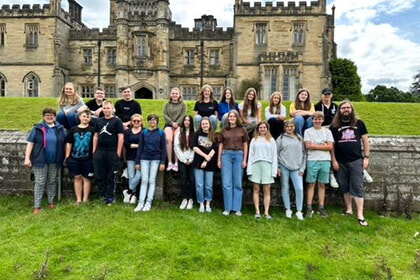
(344, 108)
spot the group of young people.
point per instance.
(317, 138)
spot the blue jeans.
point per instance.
(197, 121)
(69, 120)
(297, 184)
(134, 175)
(149, 170)
(232, 172)
(203, 184)
(302, 124)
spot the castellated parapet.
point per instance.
(244, 8)
(25, 10)
(183, 33)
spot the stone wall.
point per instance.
(395, 168)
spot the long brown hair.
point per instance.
(307, 104)
(268, 136)
(232, 101)
(238, 120)
(200, 96)
(250, 104)
(183, 133)
(275, 109)
(338, 122)
(211, 134)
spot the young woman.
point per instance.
(131, 145)
(173, 112)
(205, 147)
(151, 156)
(205, 106)
(262, 167)
(275, 114)
(44, 154)
(233, 150)
(79, 145)
(250, 110)
(292, 162)
(226, 104)
(185, 155)
(301, 111)
(71, 103)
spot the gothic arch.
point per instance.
(143, 91)
(31, 83)
(3, 81)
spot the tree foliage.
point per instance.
(382, 93)
(346, 81)
(246, 84)
(415, 86)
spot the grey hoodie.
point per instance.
(291, 152)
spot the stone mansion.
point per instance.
(283, 46)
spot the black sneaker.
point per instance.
(309, 213)
(323, 213)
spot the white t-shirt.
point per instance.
(318, 137)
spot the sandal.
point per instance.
(346, 213)
(363, 222)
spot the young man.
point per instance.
(318, 142)
(127, 106)
(326, 106)
(349, 159)
(95, 105)
(107, 147)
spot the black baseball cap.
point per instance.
(326, 91)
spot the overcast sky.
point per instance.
(382, 37)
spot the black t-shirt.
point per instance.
(108, 130)
(206, 109)
(93, 106)
(348, 141)
(125, 109)
(81, 139)
(201, 141)
(329, 113)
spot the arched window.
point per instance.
(2, 85)
(31, 81)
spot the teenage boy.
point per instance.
(127, 106)
(318, 142)
(326, 106)
(107, 147)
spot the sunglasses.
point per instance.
(136, 121)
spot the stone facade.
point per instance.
(284, 47)
(394, 167)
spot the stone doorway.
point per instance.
(143, 93)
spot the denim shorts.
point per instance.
(318, 171)
(84, 168)
(261, 173)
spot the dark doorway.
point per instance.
(144, 93)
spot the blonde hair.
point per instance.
(66, 100)
(268, 136)
(175, 89)
(200, 96)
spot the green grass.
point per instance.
(381, 118)
(95, 241)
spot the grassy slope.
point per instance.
(380, 118)
(100, 242)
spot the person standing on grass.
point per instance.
(205, 106)
(232, 159)
(131, 145)
(227, 103)
(71, 103)
(173, 112)
(185, 154)
(44, 155)
(292, 162)
(275, 114)
(319, 143)
(262, 167)
(108, 142)
(151, 156)
(79, 144)
(301, 111)
(349, 159)
(126, 107)
(250, 111)
(204, 163)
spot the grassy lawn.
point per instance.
(95, 241)
(381, 118)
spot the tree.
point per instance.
(346, 82)
(415, 86)
(384, 94)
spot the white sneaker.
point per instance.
(190, 204)
(175, 167)
(202, 209)
(208, 209)
(183, 204)
(139, 207)
(126, 196)
(133, 199)
(289, 213)
(333, 181)
(299, 215)
(170, 166)
(146, 207)
(238, 213)
(366, 177)
(226, 213)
